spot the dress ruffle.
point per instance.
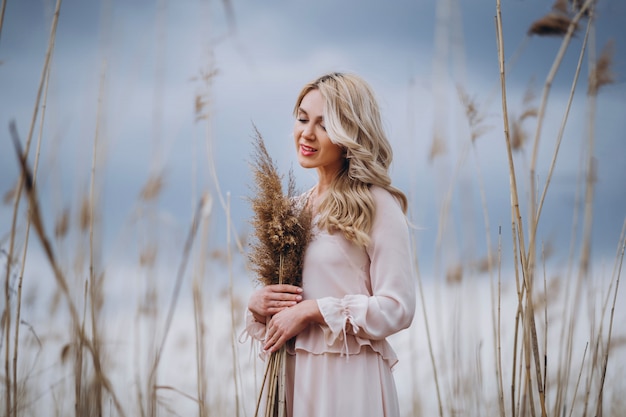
(339, 335)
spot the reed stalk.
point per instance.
(37, 222)
(545, 321)
(231, 296)
(275, 375)
(541, 116)
(199, 317)
(428, 335)
(605, 359)
(590, 180)
(518, 314)
(191, 234)
(517, 219)
(95, 282)
(565, 355)
(499, 327)
(78, 359)
(561, 132)
(566, 369)
(2, 9)
(18, 309)
(282, 231)
(9, 405)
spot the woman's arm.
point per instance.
(291, 321)
(391, 305)
(266, 302)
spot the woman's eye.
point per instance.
(302, 120)
(323, 127)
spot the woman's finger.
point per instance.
(285, 288)
(283, 296)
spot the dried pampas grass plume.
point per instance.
(62, 224)
(437, 147)
(9, 196)
(84, 219)
(282, 230)
(602, 73)
(153, 187)
(282, 224)
(552, 24)
(475, 117)
(529, 110)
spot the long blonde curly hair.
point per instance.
(352, 121)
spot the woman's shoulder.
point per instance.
(383, 197)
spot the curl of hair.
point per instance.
(352, 120)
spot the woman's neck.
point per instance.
(324, 179)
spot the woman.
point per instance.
(357, 280)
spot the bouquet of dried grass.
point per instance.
(282, 230)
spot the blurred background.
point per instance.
(147, 108)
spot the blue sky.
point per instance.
(416, 54)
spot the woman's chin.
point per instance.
(304, 162)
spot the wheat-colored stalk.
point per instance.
(2, 9)
(517, 222)
(561, 132)
(231, 296)
(191, 234)
(37, 222)
(527, 259)
(18, 310)
(95, 281)
(512, 184)
(499, 332)
(78, 359)
(429, 338)
(545, 320)
(605, 359)
(199, 316)
(51, 39)
(282, 230)
(540, 118)
(590, 180)
(565, 360)
(580, 373)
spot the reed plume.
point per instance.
(552, 24)
(282, 224)
(602, 74)
(282, 230)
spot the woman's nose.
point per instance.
(308, 132)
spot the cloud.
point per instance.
(153, 55)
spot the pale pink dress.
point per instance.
(344, 368)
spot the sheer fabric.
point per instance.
(344, 367)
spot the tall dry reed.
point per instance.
(282, 230)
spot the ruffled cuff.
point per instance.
(339, 315)
(253, 329)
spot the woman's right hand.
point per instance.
(271, 299)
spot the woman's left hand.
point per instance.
(289, 322)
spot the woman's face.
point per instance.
(315, 150)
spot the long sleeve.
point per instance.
(388, 304)
(253, 329)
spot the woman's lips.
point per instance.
(307, 150)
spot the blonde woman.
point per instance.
(357, 281)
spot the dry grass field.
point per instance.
(149, 323)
